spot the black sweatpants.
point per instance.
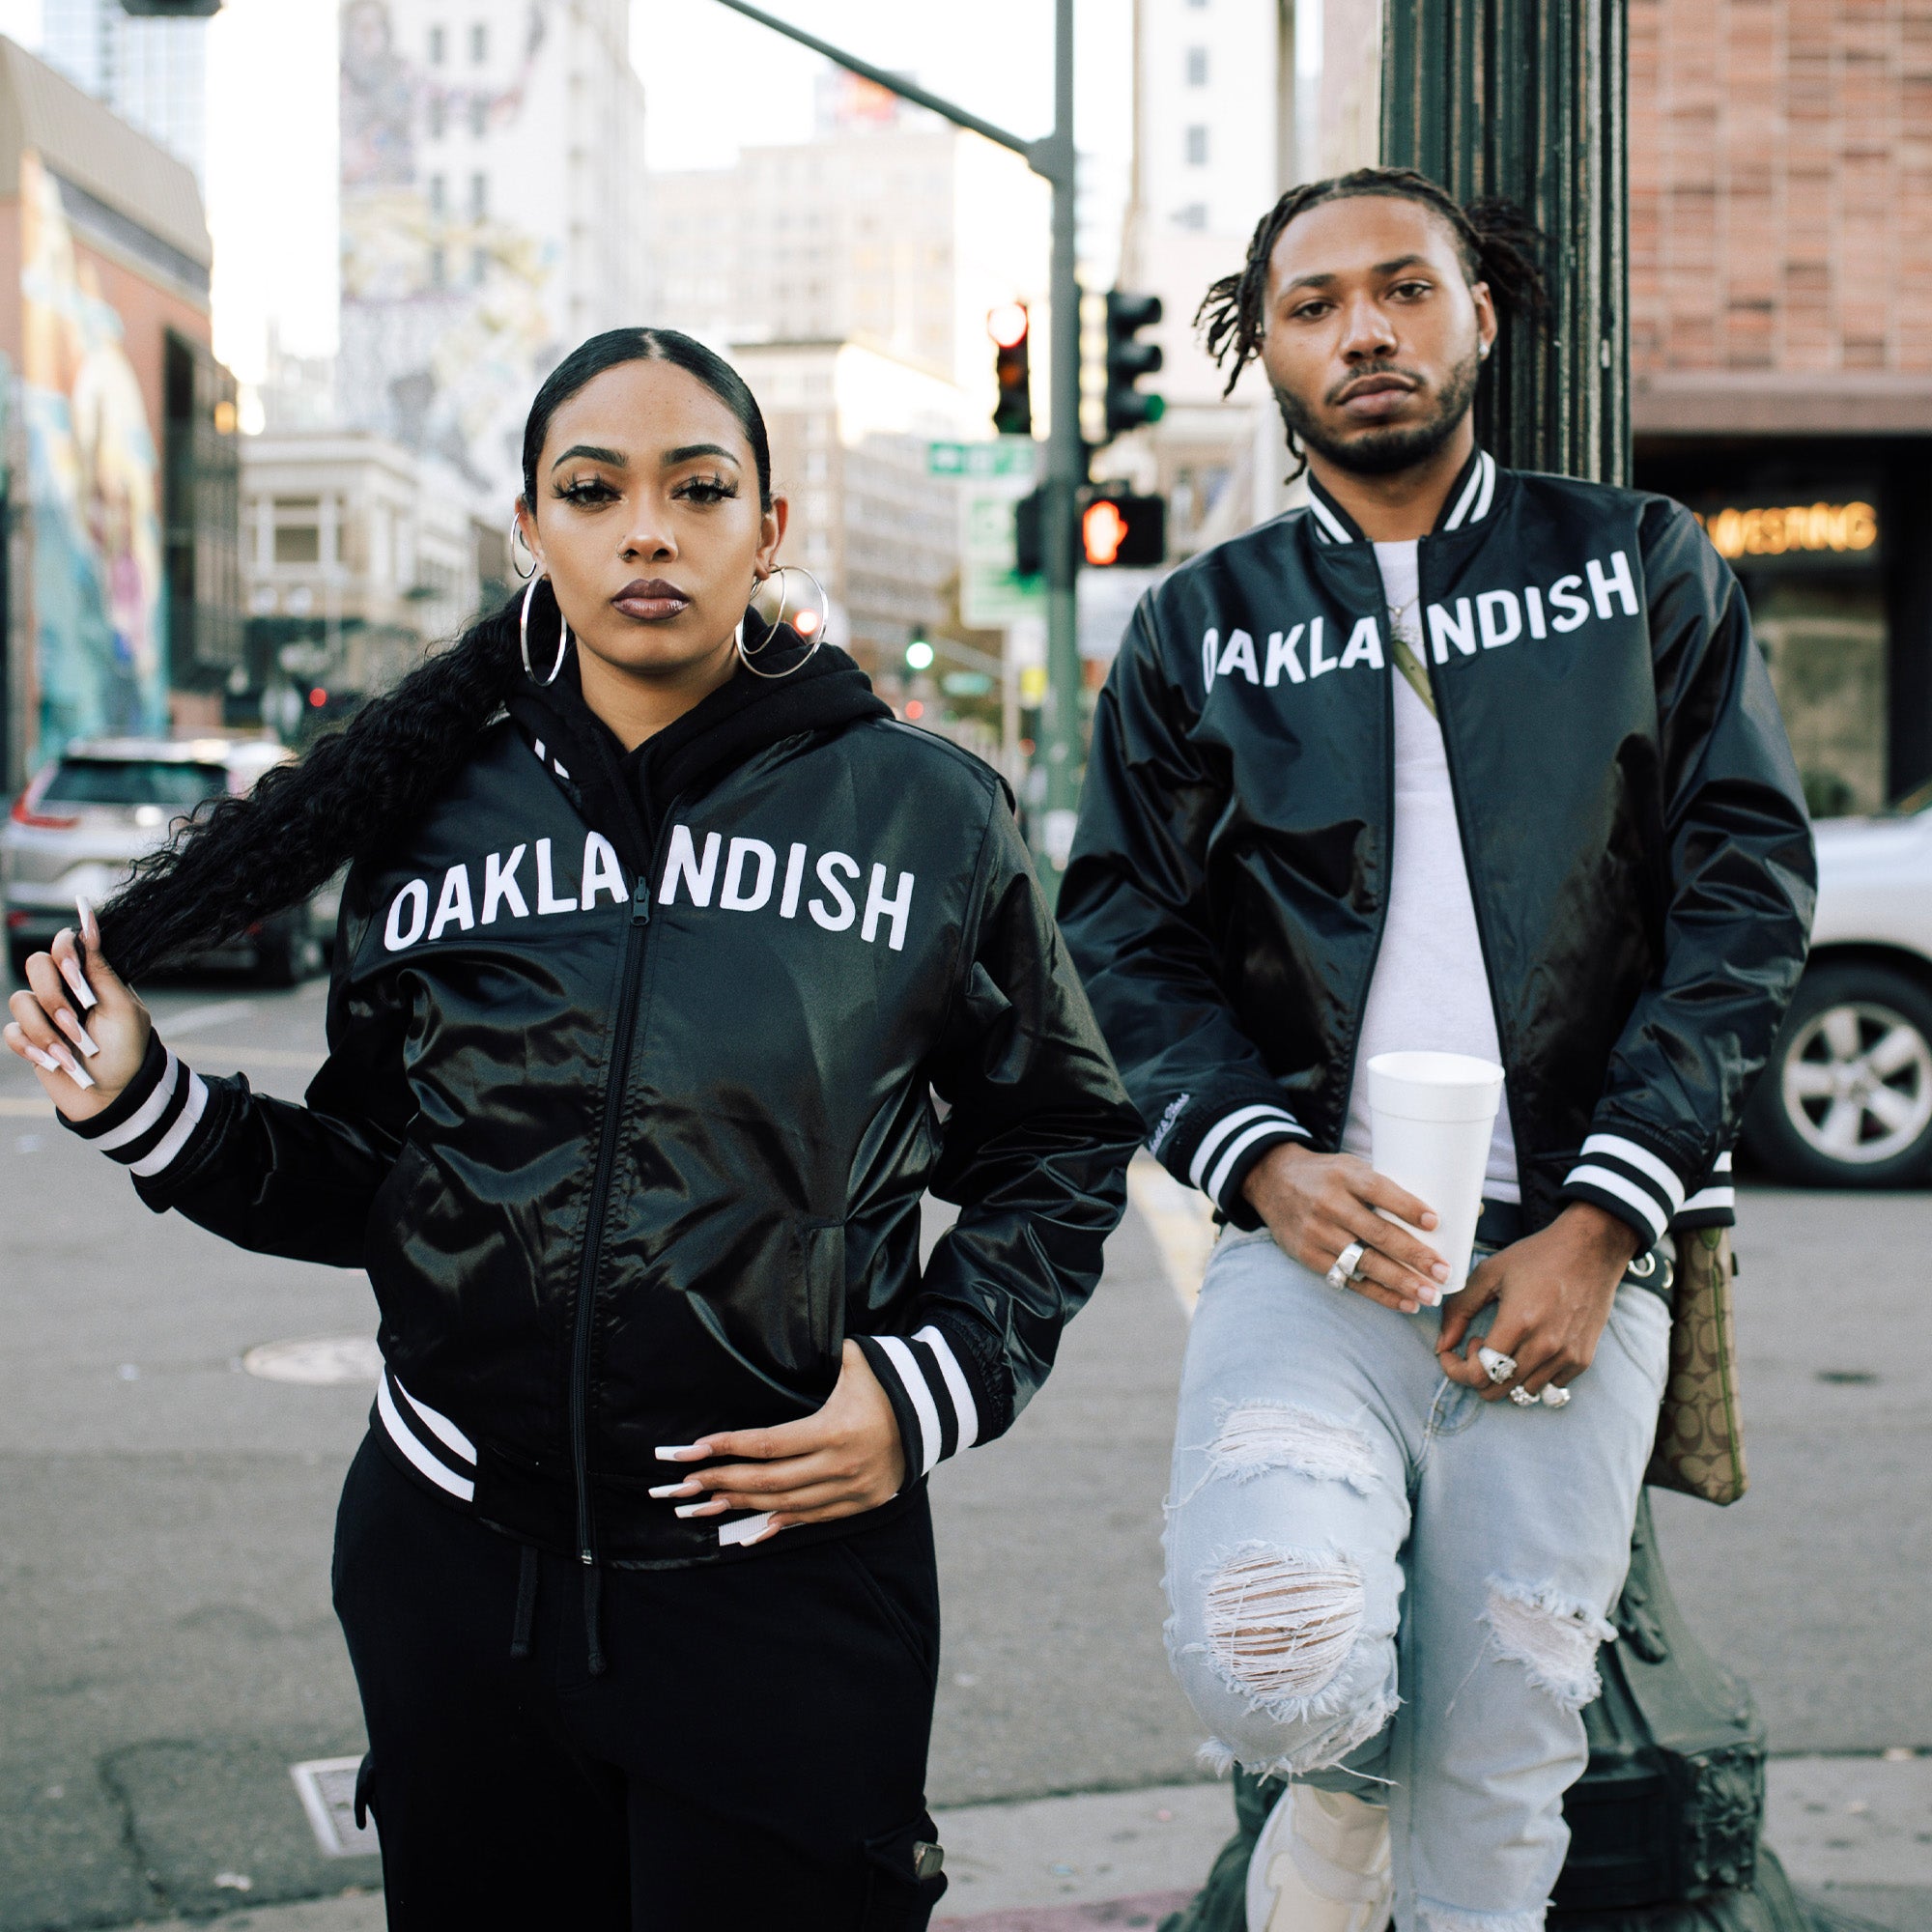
(754, 1754)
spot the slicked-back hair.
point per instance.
(1497, 243)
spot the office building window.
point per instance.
(435, 117)
(438, 272)
(479, 117)
(1197, 147)
(479, 197)
(480, 265)
(1197, 66)
(479, 43)
(435, 196)
(436, 46)
(1193, 215)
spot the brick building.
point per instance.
(1781, 337)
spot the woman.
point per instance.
(659, 937)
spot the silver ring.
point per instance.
(1522, 1398)
(1555, 1398)
(1498, 1366)
(1346, 1265)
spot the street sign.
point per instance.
(992, 594)
(1009, 456)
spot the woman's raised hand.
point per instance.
(80, 1028)
(843, 1458)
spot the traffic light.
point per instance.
(1128, 360)
(1119, 528)
(1030, 535)
(1008, 325)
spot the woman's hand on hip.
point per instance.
(84, 1046)
(1554, 1292)
(1315, 1203)
(844, 1459)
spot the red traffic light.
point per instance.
(1007, 325)
(318, 697)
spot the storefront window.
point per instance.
(1825, 645)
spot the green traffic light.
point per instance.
(1157, 408)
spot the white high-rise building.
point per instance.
(151, 72)
(1235, 101)
(493, 198)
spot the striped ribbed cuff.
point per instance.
(1226, 1155)
(151, 1121)
(1715, 1204)
(1629, 1181)
(434, 1448)
(937, 1413)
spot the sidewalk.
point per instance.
(1855, 1832)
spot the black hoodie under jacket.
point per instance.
(639, 1067)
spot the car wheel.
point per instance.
(1846, 1101)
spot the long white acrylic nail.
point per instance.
(72, 1067)
(702, 1509)
(676, 1489)
(77, 979)
(683, 1452)
(76, 1032)
(42, 1059)
(90, 927)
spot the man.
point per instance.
(1460, 759)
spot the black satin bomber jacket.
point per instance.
(628, 1159)
(1633, 826)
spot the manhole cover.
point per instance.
(316, 1359)
(328, 1788)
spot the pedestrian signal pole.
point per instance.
(1058, 747)
(1526, 99)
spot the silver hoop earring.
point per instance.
(811, 625)
(516, 538)
(524, 636)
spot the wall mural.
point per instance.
(446, 323)
(94, 490)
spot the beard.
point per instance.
(1385, 452)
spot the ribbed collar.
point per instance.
(1467, 502)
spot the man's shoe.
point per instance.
(1321, 1865)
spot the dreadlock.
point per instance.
(1499, 245)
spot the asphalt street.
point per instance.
(167, 1651)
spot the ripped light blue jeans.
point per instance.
(1382, 1584)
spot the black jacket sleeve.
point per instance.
(1036, 1140)
(1737, 913)
(1134, 911)
(262, 1172)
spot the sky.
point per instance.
(713, 81)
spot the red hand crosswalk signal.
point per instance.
(1010, 325)
(1120, 527)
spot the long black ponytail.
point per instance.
(240, 860)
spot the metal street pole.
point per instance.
(1525, 98)
(1051, 158)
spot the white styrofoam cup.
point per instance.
(1431, 1118)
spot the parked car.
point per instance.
(86, 817)
(1846, 1101)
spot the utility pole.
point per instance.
(1052, 158)
(1525, 98)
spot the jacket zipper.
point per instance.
(616, 1082)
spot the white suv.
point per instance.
(104, 803)
(1846, 1101)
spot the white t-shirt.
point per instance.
(1429, 991)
